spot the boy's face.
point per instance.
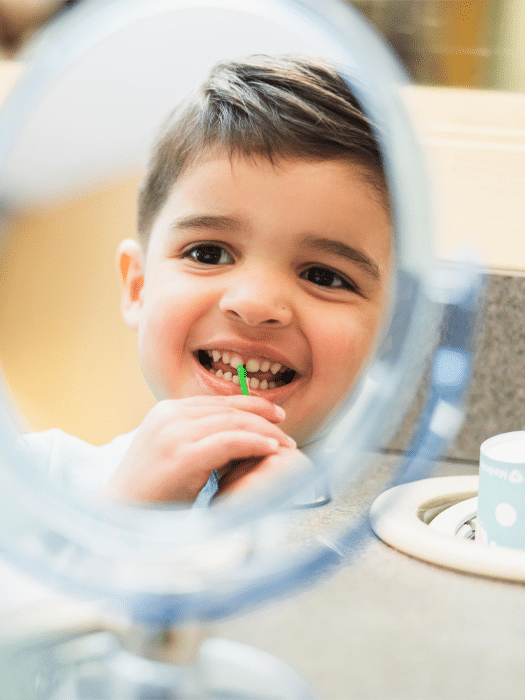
(288, 265)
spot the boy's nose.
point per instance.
(256, 303)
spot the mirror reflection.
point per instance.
(263, 240)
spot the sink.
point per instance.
(434, 520)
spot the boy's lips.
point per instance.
(224, 387)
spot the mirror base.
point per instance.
(222, 669)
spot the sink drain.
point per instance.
(435, 520)
(458, 520)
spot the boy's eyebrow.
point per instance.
(327, 245)
(209, 221)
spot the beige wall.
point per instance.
(69, 359)
(473, 142)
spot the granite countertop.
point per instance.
(393, 627)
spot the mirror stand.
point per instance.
(134, 663)
(221, 669)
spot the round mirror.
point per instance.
(283, 227)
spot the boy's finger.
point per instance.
(254, 404)
(238, 420)
(256, 472)
(216, 451)
(251, 403)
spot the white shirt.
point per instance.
(75, 463)
(86, 468)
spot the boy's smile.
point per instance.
(282, 268)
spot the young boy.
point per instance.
(264, 240)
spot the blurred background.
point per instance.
(461, 43)
(455, 43)
(70, 361)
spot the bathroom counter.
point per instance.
(388, 627)
(393, 627)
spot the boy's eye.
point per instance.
(323, 277)
(209, 254)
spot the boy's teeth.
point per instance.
(253, 366)
(252, 382)
(236, 361)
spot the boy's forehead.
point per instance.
(225, 192)
(221, 170)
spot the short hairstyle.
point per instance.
(271, 106)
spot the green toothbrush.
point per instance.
(241, 371)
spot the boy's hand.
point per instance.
(254, 473)
(181, 441)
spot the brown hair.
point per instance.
(275, 107)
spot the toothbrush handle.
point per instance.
(241, 371)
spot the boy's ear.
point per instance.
(130, 265)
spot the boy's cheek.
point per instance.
(341, 354)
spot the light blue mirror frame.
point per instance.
(142, 560)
